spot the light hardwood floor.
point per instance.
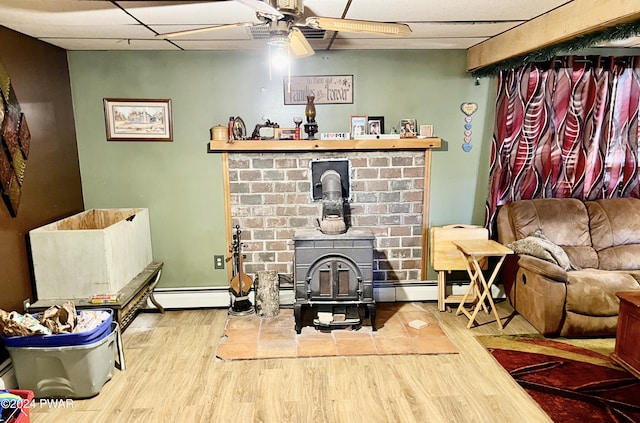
(172, 376)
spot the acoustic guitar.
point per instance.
(241, 282)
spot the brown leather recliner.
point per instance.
(601, 239)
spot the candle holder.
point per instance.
(297, 120)
(311, 129)
(310, 109)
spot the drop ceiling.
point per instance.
(133, 25)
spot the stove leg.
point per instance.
(371, 308)
(297, 313)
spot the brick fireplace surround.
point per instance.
(269, 196)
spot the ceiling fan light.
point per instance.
(366, 27)
(276, 40)
(280, 58)
(279, 55)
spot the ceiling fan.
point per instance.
(283, 17)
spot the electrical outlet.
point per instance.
(26, 304)
(218, 262)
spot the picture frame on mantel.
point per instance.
(408, 128)
(138, 119)
(426, 131)
(375, 125)
(358, 125)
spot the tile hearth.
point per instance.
(252, 337)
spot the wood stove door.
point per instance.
(334, 278)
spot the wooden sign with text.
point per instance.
(327, 89)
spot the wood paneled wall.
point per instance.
(52, 187)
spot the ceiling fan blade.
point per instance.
(298, 44)
(352, 25)
(262, 7)
(205, 29)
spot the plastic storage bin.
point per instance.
(63, 339)
(77, 371)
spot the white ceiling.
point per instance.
(133, 25)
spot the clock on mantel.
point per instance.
(325, 145)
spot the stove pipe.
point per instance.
(332, 222)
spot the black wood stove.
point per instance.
(333, 277)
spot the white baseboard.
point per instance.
(177, 298)
(211, 297)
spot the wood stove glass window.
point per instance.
(343, 281)
(334, 278)
(325, 282)
(332, 273)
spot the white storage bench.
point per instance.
(97, 251)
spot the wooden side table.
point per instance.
(473, 250)
(446, 258)
(626, 352)
(132, 297)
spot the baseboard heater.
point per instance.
(213, 297)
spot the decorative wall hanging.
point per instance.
(468, 109)
(15, 142)
(327, 89)
(138, 120)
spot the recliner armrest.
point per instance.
(544, 268)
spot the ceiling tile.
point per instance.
(325, 8)
(61, 12)
(85, 31)
(195, 13)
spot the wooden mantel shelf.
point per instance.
(325, 145)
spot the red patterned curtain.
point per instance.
(568, 128)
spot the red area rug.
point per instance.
(572, 380)
(253, 337)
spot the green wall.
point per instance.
(180, 182)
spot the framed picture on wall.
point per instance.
(375, 125)
(138, 119)
(358, 126)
